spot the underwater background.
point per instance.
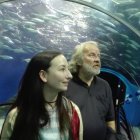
(30, 26)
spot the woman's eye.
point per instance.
(62, 69)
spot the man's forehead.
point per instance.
(90, 48)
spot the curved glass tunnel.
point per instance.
(27, 27)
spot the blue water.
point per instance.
(27, 27)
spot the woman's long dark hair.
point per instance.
(32, 114)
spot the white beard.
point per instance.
(91, 70)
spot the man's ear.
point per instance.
(43, 76)
(79, 63)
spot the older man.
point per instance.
(91, 93)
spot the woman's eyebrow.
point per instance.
(63, 66)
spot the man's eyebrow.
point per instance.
(92, 53)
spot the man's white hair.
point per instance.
(77, 57)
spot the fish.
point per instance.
(17, 41)
(14, 15)
(128, 99)
(7, 39)
(28, 23)
(138, 94)
(107, 22)
(37, 20)
(27, 60)
(120, 15)
(6, 57)
(6, 3)
(4, 47)
(124, 37)
(130, 64)
(128, 51)
(31, 30)
(7, 21)
(134, 43)
(52, 20)
(127, 56)
(18, 51)
(123, 2)
(111, 30)
(131, 11)
(133, 47)
(134, 16)
(103, 47)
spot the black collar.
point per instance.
(77, 79)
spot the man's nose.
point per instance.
(97, 58)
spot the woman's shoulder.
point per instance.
(67, 101)
(12, 114)
(9, 123)
(71, 104)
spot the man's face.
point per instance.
(91, 60)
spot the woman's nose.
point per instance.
(69, 75)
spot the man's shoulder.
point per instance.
(73, 82)
(101, 80)
(98, 80)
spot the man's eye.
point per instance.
(91, 55)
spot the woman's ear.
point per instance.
(43, 76)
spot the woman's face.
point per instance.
(58, 74)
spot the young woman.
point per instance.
(40, 112)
